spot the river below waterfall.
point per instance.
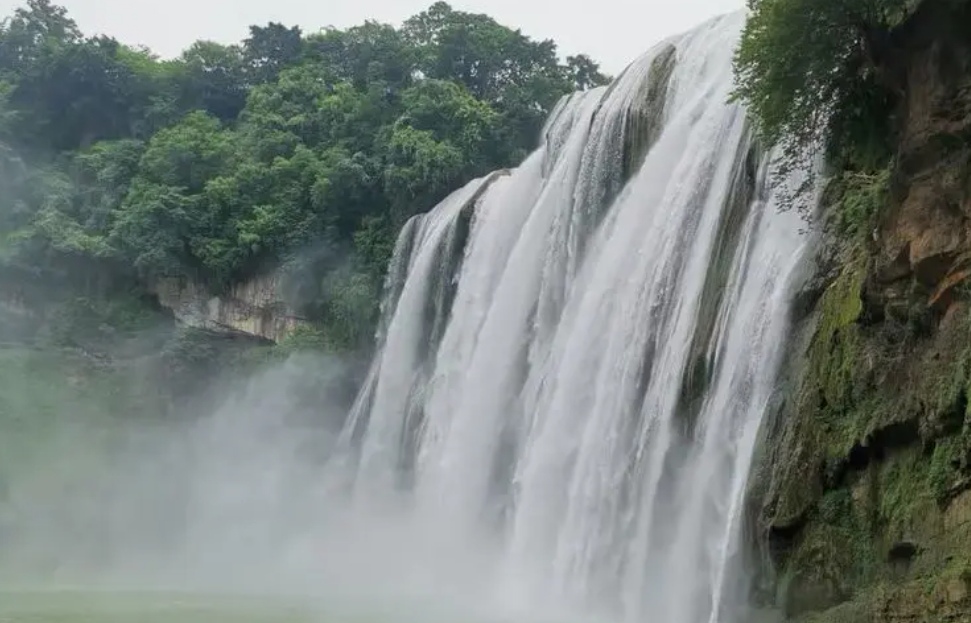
(67, 606)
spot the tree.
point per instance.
(420, 170)
(286, 151)
(478, 52)
(165, 215)
(33, 31)
(103, 174)
(521, 78)
(9, 159)
(815, 73)
(450, 112)
(306, 102)
(213, 78)
(269, 49)
(86, 91)
(187, 155)
(154, 228)
(372, 53)
(584, 72)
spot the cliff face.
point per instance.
(864, 492)
(255, 308)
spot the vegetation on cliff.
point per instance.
(824, 79)
(823, 74)
(866, 485)
(290, 150)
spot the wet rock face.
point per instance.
(643, 119)
(865, 488)
(255, 308)
(926, 237)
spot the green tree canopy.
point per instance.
(306, 152)
(821, 73)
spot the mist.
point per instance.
(140, 456)
(242, 489)
(105, 498)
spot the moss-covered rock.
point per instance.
(873, 456)
(866, 480)
(943, 597)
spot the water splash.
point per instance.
(584, 404)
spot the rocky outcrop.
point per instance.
(643, 120)
(863, 492)
(255, 308)
(925, 237)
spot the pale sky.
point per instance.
(613, 32)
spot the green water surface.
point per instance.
(79, 607)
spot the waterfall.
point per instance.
(576, 356)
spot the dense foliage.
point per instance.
(822, 76)
(293, 150)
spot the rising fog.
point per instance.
(243, 489)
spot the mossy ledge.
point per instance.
(869, 481)
(862, 488)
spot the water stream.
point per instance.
(586, 421)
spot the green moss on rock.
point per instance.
(829, 557)
(834, 355)
(870, 487)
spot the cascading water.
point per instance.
(575, 384)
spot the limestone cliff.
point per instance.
(255, 308)
(864, 490)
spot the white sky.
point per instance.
(613, 32)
